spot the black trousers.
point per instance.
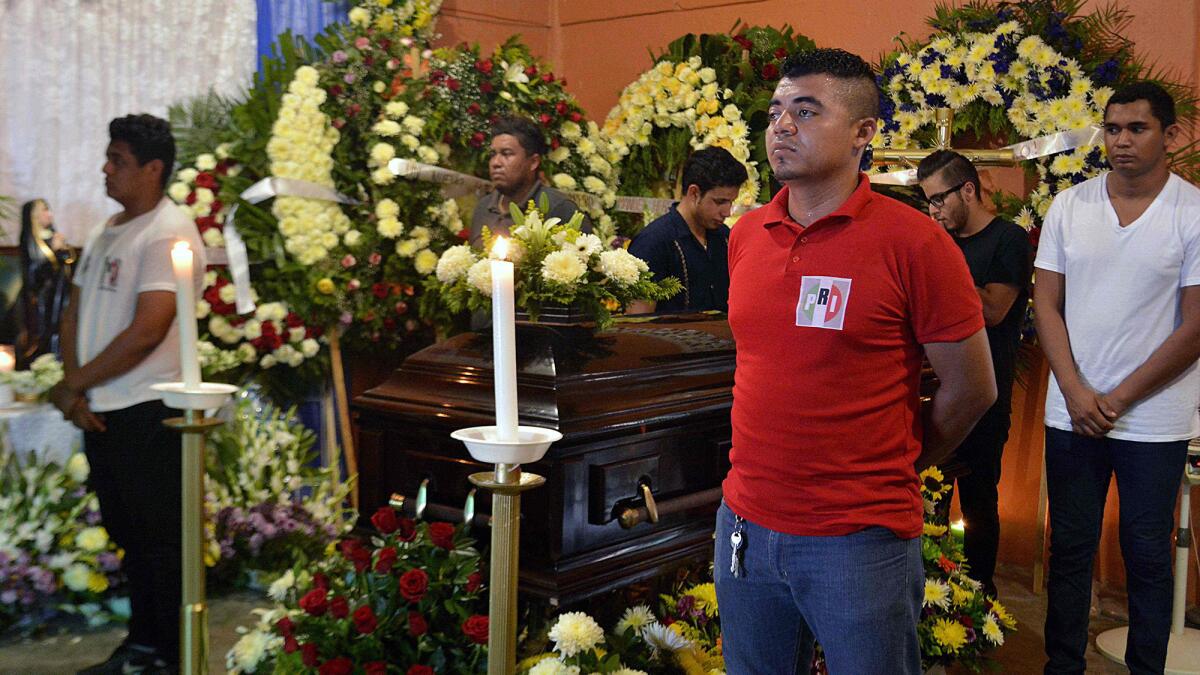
(978, 495)
(136, 474)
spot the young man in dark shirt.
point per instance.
(689, 242)
(997, 253)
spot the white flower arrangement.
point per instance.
(686, 96)
(45, 372)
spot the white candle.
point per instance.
(504, 343)
(7, 365)
(185, 314)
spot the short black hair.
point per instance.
(525, 131)
(711, 168)
(862, 95)
(149, 138)
(956, 169)
(1162, 104)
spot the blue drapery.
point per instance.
(302, 17)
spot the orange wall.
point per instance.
(602, 45)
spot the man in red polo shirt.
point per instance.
(835, 295)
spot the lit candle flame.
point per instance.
(182, 246)
(500, 248)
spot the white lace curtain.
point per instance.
(67, 67)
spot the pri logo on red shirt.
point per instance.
(823, 302)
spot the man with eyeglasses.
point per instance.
(997, 253)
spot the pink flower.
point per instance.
(393, 64)
(339, 56)
(353, 284)
(362, 43)
(375, 258)
(346, 318)
(348, 261)
(349, 78)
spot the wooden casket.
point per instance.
(644, 412)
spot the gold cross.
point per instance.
(943, 119)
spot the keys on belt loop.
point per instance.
(737, 542)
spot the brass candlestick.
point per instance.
(194, 427)
(506, 482)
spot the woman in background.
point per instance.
(46, 261)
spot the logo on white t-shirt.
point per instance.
(110, 274)
(822, 302)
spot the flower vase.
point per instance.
(556, 314)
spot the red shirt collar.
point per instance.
(776, 211)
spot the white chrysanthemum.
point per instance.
(77, 577)
(78, 468)
(213, 238)
(585, 245)
(427, 154)
(389, 228)
(247, 353)
(480, 276)
(206, 162)
(556, 155)
(628, 671)
(664, 638)
(593, 184)
(425, 262)
(178, 192)
(564, 182)
(309, 347)
(454, 263)
(382, 153)
(396, 109)
(187, 175)
(563, 267)
(352, 238)
(937, 594)
(92, 539)
(635, 619)
(553, 667)
(575, 632)
(413, 125)
(409, 247)
(991, 630)
(621, 266)
(386, 208)
(248, 652)
(387, 128)
(279, 588)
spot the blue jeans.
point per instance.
(1078, 471)
(858, 595)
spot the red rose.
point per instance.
(576, 117)
(191, 198)
(743, 41)
(476, 628)
(413, 585)
(293, 320)
(780, 52)
(375, 668)
(387, 558)
(549, 77)
(474, 581)
(353, 551)
(309, 654)
(389, 323)
(770, 72)
(321, 581)
(339, 123)
(205, 179)
(560, 108)
(385, 519)
(554, 143)
(485, 66)
(335, 90)
(474, 109)
(338, 666)
(408, 529)
(339, 608)
(290, 645)
(402, 308)
(442, 534)
(205, 222)
(380, 290)
(487, 88)
(215, 206)
(420, 670)
(364, 620)
(453, 84)
(464, 234)
(531, 71)
(417, 625)
(545, 119)
(314, 602)
(285, 626)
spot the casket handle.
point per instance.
(422, 499)
(648, 498)
(466, 514)
(632, 515)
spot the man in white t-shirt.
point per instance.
(1117, 307)
(119, 337)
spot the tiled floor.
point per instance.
(1022, 653)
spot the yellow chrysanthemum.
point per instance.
(950, 634)
(991, 630)
(937, 594)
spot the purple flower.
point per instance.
(349, 78)
(8, 597)
(339, 56)
(92, 517)
(108, 561)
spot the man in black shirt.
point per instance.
(690, 242)
(997, 253)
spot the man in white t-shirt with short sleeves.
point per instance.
(119, 337)
(1117, 307)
